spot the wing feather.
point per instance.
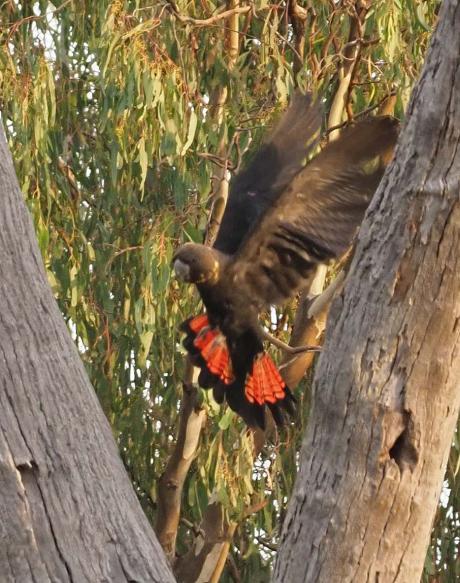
(272, 168)
(315, 217)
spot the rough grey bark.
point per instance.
(386, 394)
(67, 509)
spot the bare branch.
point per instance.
(351, 54)
(289, 349)
(192, 419)
(171, 483)
(14, 27)
(223, 553)
(298, 17)
(220, 187)
(207, 21)
(384, 105)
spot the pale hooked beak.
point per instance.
(182, 270)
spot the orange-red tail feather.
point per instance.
(264, 384)
(246, 392)
(213, 348)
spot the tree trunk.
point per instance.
(386, 396)
(67, 509)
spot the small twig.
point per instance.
(14, 27)
(289, 44)
(289, 349)
(197, 531)
(207, 21)
(288, 362)
(362, 113)
(220, 161)
(158, 16)
(362, 42)
(120, 252)
(248, 511)
(267, 545)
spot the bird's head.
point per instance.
(196, 263)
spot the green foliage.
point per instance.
(106, 109)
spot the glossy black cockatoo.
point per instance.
(282, 219)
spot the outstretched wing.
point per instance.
(316, 216)
(280, 158)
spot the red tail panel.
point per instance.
(213, 348)
(265, 384)
(198, 323)
(246, 393)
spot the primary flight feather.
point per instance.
(282, 219)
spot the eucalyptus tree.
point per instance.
(124, 118)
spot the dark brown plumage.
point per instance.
(282, 219)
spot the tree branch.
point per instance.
(221, 183)
(298, 17)
(235, 11)
(350, 58)
(192, 419)
(171, 483)
(286, 347)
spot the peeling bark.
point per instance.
(68, 511)
(386, 396)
